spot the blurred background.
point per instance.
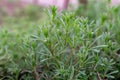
(19, 13)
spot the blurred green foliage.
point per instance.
(84, 45)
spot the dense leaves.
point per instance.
(64, 47)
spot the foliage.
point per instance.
(64, 47)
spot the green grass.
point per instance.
(65, 46)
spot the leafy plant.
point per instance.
(71, 48)
(65, 47)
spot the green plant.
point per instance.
(64, 47)
(72, 48)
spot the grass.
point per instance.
(67, 46)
